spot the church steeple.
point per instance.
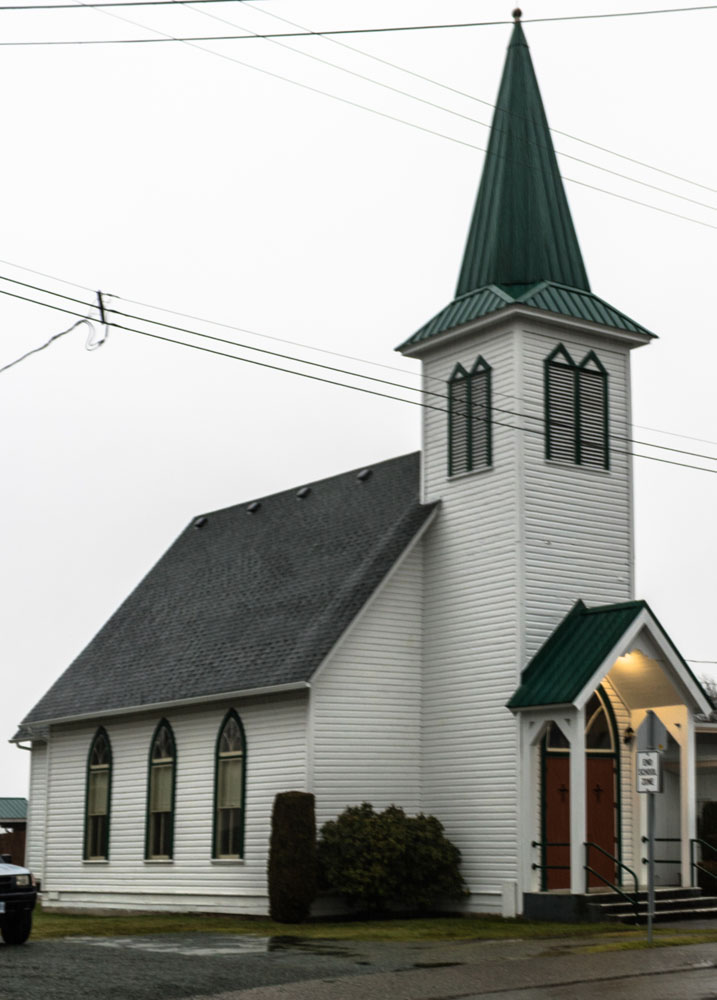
(522, 232)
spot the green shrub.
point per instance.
(380, 861)
(292, 857)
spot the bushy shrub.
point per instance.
(292, 857)
(388, 859)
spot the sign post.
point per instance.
(651, 740)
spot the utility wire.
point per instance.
(395, 118)
(319, 378)
(329, 36)
(383, 114)
(344, 69)
(36, 350)
(364, 31)
(110, 3)
(439, 107)
(463, 93)
(332, 368)
(375, 392)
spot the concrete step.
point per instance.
(669, 905)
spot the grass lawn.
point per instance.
(57, 925)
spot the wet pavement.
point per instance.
(233, 967)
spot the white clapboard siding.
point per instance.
(627, 783)
(511, 551)
(366, 703)
(471, 630)
(36, 812)
(275, 730)
(578, 520)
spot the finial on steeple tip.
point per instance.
(517, 14)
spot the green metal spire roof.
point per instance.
(522, 248)
(522, 231)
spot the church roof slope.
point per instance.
(252, 596)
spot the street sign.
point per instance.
(652, 733)
(649, 771)
(651, 741)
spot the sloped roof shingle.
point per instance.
(247, 600)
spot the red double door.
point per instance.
(600, 782)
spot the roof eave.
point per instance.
(176, 703)
(516, 311)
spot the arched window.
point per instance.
(229, 780)
(576, 413)
(98, 789)
(469, 418)
(160, 793)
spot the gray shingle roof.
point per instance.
(247, 600)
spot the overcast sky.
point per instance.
(181, 179)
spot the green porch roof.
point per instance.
(13, 809)
(548, 296)
(568, 659)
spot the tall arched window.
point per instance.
(98, 790)
(160, 793)
(229, 781)
(469, 418)
(576, 411)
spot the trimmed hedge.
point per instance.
(292, 857)
(386, 860)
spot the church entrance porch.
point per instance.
(581, 701)
(602, 784)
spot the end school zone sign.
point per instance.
(649, 771)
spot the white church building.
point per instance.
(454, 631)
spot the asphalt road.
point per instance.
(223, 967)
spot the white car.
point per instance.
(18, 895)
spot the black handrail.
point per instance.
(695, 864)
(633, 900)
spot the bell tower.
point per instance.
(528, 454)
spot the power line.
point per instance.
(386, 115)
(273, 37)
(365, 31)
(332, 368)
(36, 350)
(373, 392)
(383, 114)
(433, 104)
(110, 3)
(463, 93)
(351, 374)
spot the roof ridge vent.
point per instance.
(364, 474)
(254, 506)
(303, 492)
(200, 521)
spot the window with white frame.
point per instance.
(230, 771)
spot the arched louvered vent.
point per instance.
(592, 413)
(560, 406)
(576, 413)
(469, 418)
